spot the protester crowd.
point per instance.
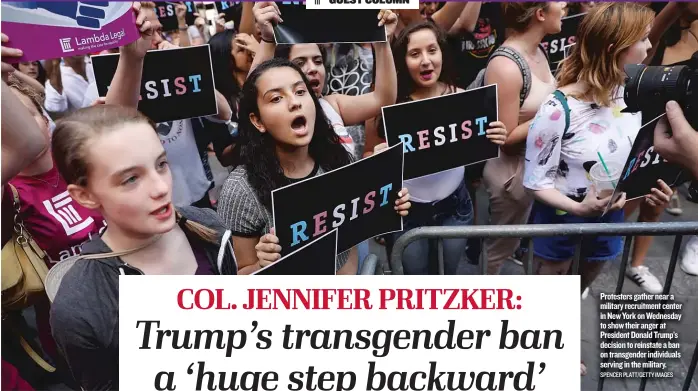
(92, 176)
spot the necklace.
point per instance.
(532, 57)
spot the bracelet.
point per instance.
(183, 28)
(268, 41)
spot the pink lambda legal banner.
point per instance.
(44, 30)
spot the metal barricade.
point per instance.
(578, 231)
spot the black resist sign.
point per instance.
(314, 259)
(556, 44)
(302, 25)
(357, 199)
(444, 132)
(176, 84)
(168, 17)
(644, 166)
(232, 11)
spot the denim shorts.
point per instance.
(561, 248)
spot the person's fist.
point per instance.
(266, 14)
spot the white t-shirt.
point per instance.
(435, 187)
(74, 89)
(562, 162)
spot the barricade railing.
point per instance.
(578, 231)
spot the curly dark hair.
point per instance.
(258, 150)
(405, 84)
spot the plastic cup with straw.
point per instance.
(605, 176)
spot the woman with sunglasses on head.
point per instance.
(285, 137)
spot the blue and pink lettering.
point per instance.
(438, 136)
(298, 229)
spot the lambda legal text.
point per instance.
(104, 37)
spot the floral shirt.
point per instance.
(561, 160)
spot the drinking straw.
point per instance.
(605, 167)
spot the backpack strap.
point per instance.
(559, 95)
(516, 57)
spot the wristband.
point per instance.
(268, 41)
(183, 28)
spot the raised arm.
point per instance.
(467, 21)
(265, 15)
(355, 110)
(247, 19)
(662, 22)
(181, 12)
(126, 84)
(447, 16)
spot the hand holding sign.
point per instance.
(497, 132)
(7, 52)
(266, 14)
(268, 249)
(316, 258)
(593, 206)
(403, 204)
(140, 47)
(388, 19)
(181, 13)
(659, 196)
(220, 23)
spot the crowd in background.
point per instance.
(94, 176)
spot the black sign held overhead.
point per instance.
(176, 84)
(314, 259)
(644, 166)
(357, 199)
(232, 11)
(556, 44)
(167, 16)
(302, 25)
(443, 132)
